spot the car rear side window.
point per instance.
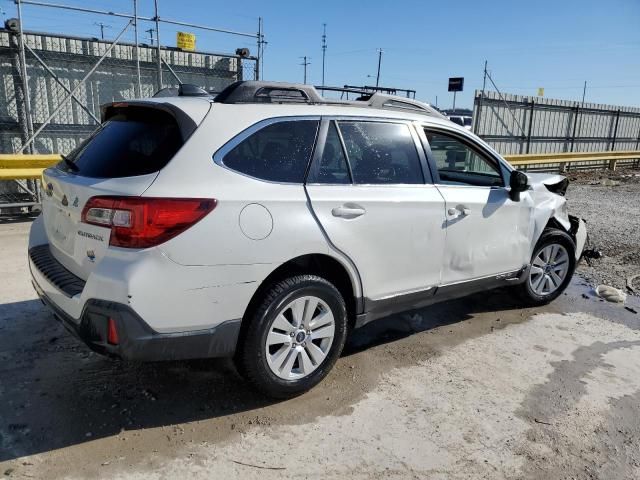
(332, 168)
(278, 152)
(134, 141)
(381, 152)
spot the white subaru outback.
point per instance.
(267, 222)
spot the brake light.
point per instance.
(141, 222)
(112, 332)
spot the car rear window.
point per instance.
(134, 141)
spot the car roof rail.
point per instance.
(393, 102)
(253, 91)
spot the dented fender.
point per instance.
(547, 193)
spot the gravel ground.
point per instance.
(610, 204)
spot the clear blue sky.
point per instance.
(529, 44)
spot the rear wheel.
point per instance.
(294, 336)
(552, 265)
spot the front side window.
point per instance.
(278, 152)
(381, 153)
(459, 164)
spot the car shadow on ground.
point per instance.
(55, 393)
(9, 219)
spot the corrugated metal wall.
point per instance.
(516, 124)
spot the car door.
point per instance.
(487, 233)
(367, 189)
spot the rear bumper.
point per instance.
(136, 340)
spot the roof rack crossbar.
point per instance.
(268, 92)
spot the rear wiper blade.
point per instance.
(69, 163)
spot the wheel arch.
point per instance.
(320, 264)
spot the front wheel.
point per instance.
(294, 337)
(552, 265)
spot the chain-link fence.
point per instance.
(51, 101)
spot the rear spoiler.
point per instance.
(186, 124)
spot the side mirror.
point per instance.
(518, 182)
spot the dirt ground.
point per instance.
(477, 388)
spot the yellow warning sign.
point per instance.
(186, 41)
(540, 90)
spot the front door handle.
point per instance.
(348, 211)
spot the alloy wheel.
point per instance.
(299, 338)
(549, 269)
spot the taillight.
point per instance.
(140, 222)
(112, 332)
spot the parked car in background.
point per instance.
(267, 222)
(462, 120)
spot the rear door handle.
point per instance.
(460, 210)
(348, 211)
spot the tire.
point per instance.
(272, 369)
(537, 290)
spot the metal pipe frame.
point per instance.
(66, 89)
(137, 48)
(158, 48)
(505, 102)
(23, 72)
(172, 72)
(129, 16)
(76, 88)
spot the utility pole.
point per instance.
(379, 63)
(476, 119)
(150, 32)
(484, 79)
(324, 48)
(261, 43)
(584, 92)
(102, 27)
(304, 64)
